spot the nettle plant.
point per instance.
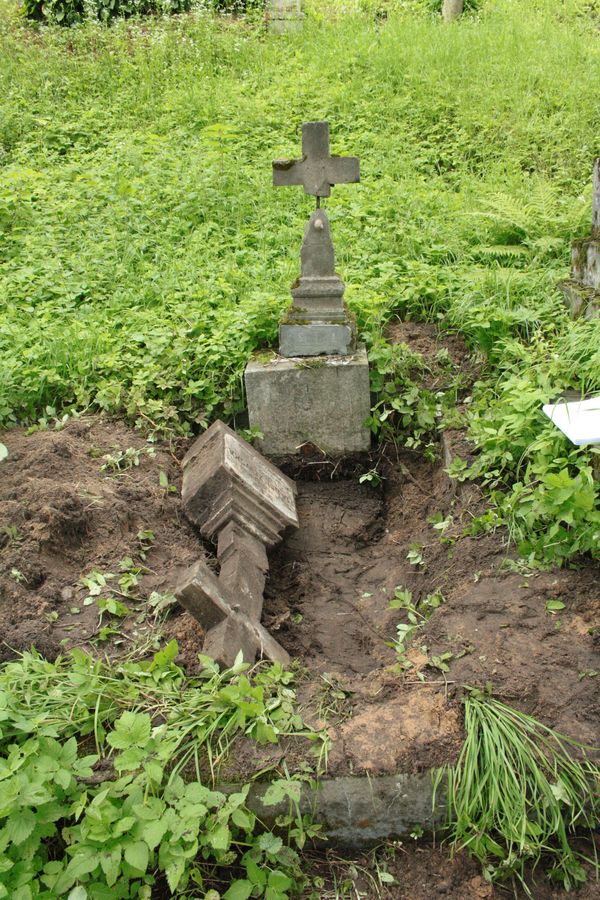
(405, 410)
(544, 488)
(107, 786)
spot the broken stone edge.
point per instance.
(359, 811)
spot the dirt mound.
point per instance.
(66, 511)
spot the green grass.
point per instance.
(521, 792)
(145, 254)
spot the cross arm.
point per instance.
(287, 172)
(201, 593)
(343, 170)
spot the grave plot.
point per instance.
(360, 567)
(95, 500)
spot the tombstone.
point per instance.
(244, 503)
(284, 16)
(582, 291)
(315, 391)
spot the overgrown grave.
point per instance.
(388, 699)
(393, 593)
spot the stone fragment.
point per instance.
(226, 480)
(239, 498)
(229, 629)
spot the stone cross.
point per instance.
(317, 323)
(317, 171)
(234, 495)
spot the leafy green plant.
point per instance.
(125, 459)
(72, 12)
(109, 823)
(372, 477)
(519, 792)
(418, 615)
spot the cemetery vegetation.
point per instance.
(145, 255)
(105, 788)
(518, 793)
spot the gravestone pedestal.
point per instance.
(320, 400)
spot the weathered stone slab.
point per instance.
(225, 479)
(322, 401)
(585, 262)
(582, 291)
(283, 16)
(315, 339)
(361, 811)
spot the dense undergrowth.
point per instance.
(105, 781)
(145, 254)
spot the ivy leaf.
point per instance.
(270, 843)
(110, 864)
(131, 730)
(154, 832)
(282, 789)
(174, 873)
(220, 837)
(78, 893)
(19, 826)
(256, 875)
(278, 881)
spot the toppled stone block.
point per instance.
(225, 480)
(219, 611)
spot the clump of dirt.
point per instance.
(62, 516)
(418, 871)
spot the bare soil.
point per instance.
(423, 872)
(62, 516)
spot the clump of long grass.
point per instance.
(519, 792)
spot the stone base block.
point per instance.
(323, 400)
(585, 262)
(329, 339)
(581, 300)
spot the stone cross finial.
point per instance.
(317, 171)
(235, 496)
